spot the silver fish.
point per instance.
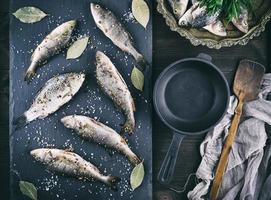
(51, 45)
(115, 87)
(56, 92)
(107, 22)
(99, 133)
(198, 17)
(187, 17)
(242, 22)
(193, 1)
(217, 28)
(69, 163)
(179, 7)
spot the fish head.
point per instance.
(97, 13)
(69, 121)
(244, 26)
(76, 79)
(186, 19)
(39, 154)
(242, 22)
(69, 25)
(217, 28)
(177, 13)
(101, 58)
(76, 122)
(67, 28)
(184, 22)
(179, 8)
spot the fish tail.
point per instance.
(20, 122)
(112, 181)
(134, 159)
(128, 126)
(142, 63)
(30, 73)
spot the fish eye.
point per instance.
(97, 6)
(175, 11)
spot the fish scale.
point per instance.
(56, 92)
(107, 22)
(101, 134)
(197, 17)
(51, 45)
(72, 164)
(115, 87)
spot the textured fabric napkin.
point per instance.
(246, 175)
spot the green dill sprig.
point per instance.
(231, 9)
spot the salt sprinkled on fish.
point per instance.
(56, 92)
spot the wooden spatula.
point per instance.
(246, 87)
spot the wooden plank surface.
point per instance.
(168, 47)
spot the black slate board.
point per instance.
(90, 101)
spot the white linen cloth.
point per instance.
(247, 164)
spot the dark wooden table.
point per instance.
(167, 47)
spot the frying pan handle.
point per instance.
(166, 171)
(204, 56)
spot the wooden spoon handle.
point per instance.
(226, 151)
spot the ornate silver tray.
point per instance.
(260, 16)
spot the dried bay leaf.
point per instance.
(29, 14)
(28, 189)
(137, 78)
(77, 48)
(137, 176)
(141, 12)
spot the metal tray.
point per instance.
(90, 101)
(261, 15)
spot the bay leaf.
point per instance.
(137, 78)
(28, 189)
(137, 176)
(77, 48)
(141, 12)
(29, 14)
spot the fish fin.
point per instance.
(20, 122)
(121, 131)
(29, 75)
(70, 149)
(133, 105)
(113, 181)
(123, 141)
